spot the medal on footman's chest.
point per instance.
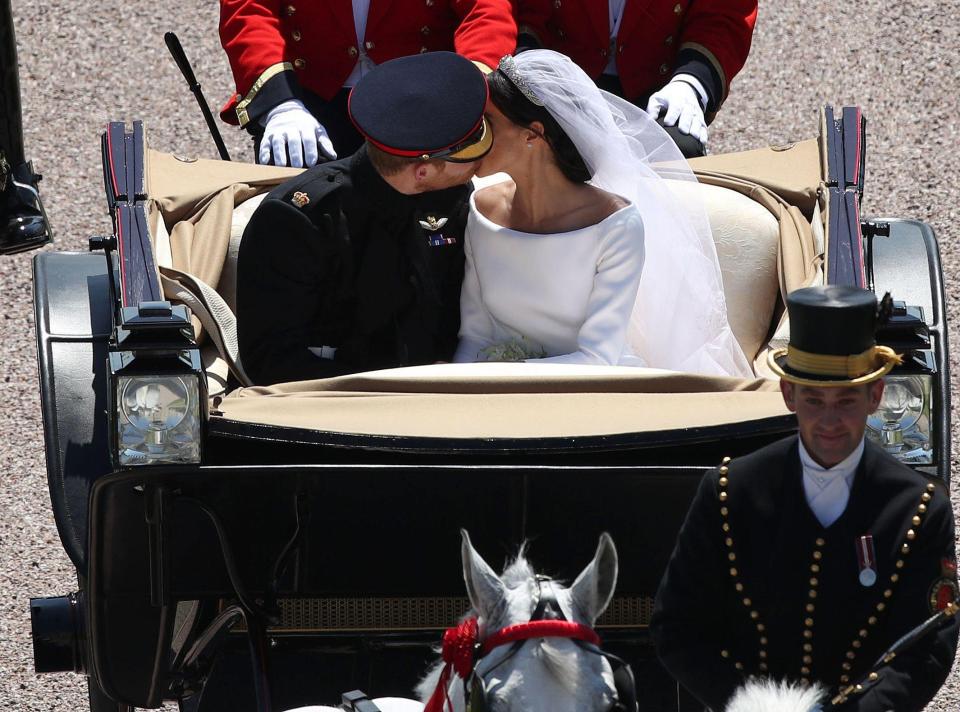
(867, 559)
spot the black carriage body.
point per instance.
(375, 572)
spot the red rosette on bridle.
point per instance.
(459, 644)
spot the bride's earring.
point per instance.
(529, 145)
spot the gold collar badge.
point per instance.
(300, 199)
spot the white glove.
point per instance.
(682, 105)
(289, 126)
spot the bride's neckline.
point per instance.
(502, 228)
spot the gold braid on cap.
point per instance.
(512, 72)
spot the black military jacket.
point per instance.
(338, 258)
(756, 586)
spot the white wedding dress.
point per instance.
(571, 297)
(554, 298)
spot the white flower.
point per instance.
(518, 349)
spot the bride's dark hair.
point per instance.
(521, 111)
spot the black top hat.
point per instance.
(832, 339)
(424, 106)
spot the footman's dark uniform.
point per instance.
(337, 271)
(758, 586)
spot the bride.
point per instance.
(586, 255)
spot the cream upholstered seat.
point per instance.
(746, 235)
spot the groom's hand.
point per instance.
(680, 100)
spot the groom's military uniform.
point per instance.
(337, 271)
(758, 586)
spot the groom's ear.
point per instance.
(422, 171)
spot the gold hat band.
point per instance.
(850, 366)
(872, 364)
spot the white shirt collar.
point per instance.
(846, 467)
(827, 489)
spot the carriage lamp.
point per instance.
(901, 425)
(158, 419)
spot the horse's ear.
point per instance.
(484, 587)
(593, 589)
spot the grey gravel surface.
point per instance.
(84, 63)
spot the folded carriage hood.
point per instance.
(506, 401)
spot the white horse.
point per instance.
(545, 674)
(764, 695)
(554, 674)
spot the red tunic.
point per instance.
(317, 40)
(651, 36)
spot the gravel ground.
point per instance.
(84, 63)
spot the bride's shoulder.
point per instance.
(493, 201)
(609, 203)
(605, 204)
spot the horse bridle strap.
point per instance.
(461, 647)
(539, 629)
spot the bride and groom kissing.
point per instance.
(585, 252)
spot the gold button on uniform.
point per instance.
(916, 521)
(423, 50)
(296, 35)
(664, 68)
(425, 30)
(369, 45)
(299, 63)
(352, 51)
(677, 9)
(669, 40)
(291, 10)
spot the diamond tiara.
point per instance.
(509, 68)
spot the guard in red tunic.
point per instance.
(672, 57)
(294, 61)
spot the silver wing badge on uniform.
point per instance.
(432, 223)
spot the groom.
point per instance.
(356, 265)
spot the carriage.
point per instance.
(265, 547)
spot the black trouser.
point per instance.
(689, 146)
(332, 114)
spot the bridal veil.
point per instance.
(679, 319)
